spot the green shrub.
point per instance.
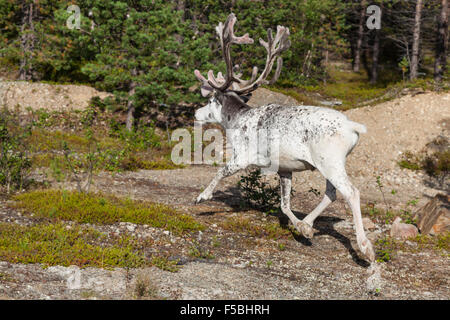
(15, 163)
(385, 248)
(257, 193)
(102, 209)
(56, 244)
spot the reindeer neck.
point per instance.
(231, 113)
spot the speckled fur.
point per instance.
(309, 138)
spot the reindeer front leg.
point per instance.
(229, 169)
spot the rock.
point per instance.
(42, 95)
(434, 217)
(331, 103)
(368, 224)
(403, 231)
(264, 96)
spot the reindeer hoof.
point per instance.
(305, 229)
(202, 197)
(367, 249)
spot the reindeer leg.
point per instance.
(286, 185)
(306, 224)
(338, 177)
(226, 171)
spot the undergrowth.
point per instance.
(353, 89)
(102, 209)
(259, 194)
(55, 244)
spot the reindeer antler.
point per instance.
(274, 49)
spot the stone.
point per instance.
(368, 224)
(403, 231)
(263, 96)
(434, 217)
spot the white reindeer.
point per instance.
(309, 137)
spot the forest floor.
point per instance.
(243, 253)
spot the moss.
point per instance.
(55, 244)
(102, 209)
(165, 264)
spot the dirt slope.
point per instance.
(48, 96)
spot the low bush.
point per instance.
(101, 209)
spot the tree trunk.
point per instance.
(27, 39)
(131, 107)
(416, 39)
(364, 54)
(375, 55)
(181, 6)
(440, 63)
(359, 40)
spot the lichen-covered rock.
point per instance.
(434, 217)
(403, 231)
(368, 224)
(264, 96)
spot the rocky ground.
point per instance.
(234, 264)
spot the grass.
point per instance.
(55, 244)
(93, 132)
(353, 89)
(112, 153)
(44, 140)
(386, 247)
(144, 288)
(165, 264)
(197, 251)
(101, 209)
(435, 164)
(271, 230)
(440, 242)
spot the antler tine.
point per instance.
(227, 37)
(274, 47)
(247, 82)
(277, 71)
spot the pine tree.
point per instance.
(139, 57)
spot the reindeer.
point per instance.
(309, 137)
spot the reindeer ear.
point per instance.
(205, 89)
(239, 100)
(246, 97)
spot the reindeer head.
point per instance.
(230, 92)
